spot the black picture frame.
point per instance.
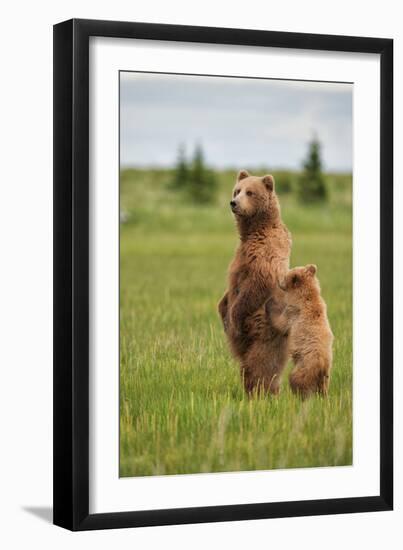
(71, 274)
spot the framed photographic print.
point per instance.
(223, 259)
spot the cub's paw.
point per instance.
(272, 306)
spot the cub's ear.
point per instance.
(311, 269)
(268, 182)
(295, 281)
(242, 175)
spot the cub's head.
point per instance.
(300, 281)
(253, 196)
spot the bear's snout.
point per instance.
(232, 204)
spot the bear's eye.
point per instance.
(236, 192)
(249, 193)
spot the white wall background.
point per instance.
(26, 272)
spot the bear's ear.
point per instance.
(311, 269)
(268, 182)
(242, 175)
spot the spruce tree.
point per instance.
(202, 183)
(181, 174)
(311, 184)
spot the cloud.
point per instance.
(239, 121)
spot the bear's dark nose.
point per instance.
(232, 204)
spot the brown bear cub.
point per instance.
(261, 260)
(303, 316)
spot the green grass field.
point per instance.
(182, 407)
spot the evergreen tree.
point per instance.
(181, 174)
(311, 184)
(202, 183)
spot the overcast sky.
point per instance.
(239, 122)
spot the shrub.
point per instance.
(284, 182)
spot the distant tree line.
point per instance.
(198, 183)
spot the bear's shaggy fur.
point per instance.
(261, 260)
(303, 315)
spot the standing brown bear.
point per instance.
(303, 316)
(261, 260)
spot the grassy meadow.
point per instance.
(182, 406)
